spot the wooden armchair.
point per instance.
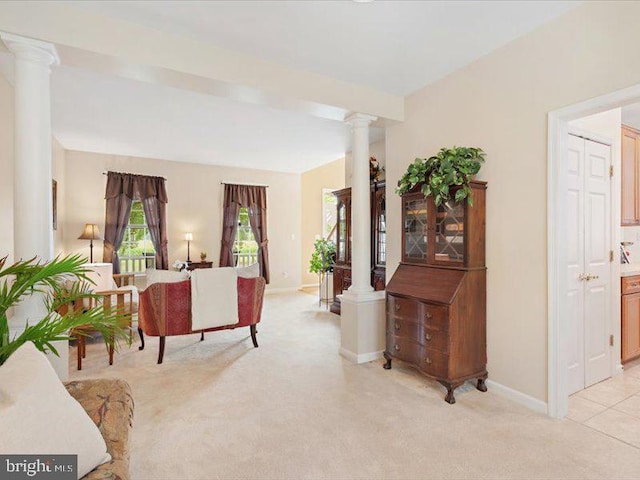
(110, 300)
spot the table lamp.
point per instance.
(90, 233)
(188, 237)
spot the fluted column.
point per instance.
(33, 223)
(360, 205)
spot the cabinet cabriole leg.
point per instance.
(387, 357)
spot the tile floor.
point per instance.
(611, 407)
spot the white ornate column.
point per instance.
(33, 224)
(362, 309)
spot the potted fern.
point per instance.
(448, 171)
(322, 258)
(60, 281)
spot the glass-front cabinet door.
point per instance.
(416, 232)
(341, 226)
(380, 247)
(449, 233)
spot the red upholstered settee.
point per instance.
(164, 310)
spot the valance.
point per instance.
(135, 187)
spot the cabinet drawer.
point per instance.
(401, 327)
(434, 363)
(435, 316)
(404, 349)
(630, 285)
(402, 307)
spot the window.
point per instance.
(329, 202)
(137, 252)
(245, 247)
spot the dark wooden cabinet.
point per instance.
(630, 166)
(195, 265)
(630, 318)
(342, 265)
(436, 299)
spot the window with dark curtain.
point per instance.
(254, 199)
(122, 190)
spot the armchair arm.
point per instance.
(250, 298)
(123, 279)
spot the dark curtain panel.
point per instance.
(230, 211)
(118, 209)
(253, 198)
(258, 221)
(123, 188)
(155, 212)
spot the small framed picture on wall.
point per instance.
(54, 195)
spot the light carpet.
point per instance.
(294, 409)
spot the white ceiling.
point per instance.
(105, 114)
(394, 46)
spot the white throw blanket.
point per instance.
(214, 298)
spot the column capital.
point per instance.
(29, 49)
(359, 119)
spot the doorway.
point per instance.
(589, 258)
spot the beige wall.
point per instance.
(330, 176)
(6, 169)
(500, 103)
(195, 205)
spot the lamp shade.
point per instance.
(90, 232)
(188, 236)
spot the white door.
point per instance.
(589, 279)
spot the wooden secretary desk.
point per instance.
(342, 265)
(436, 300)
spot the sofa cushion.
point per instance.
(165, 276)
(110, 405)
(38, 416)
(251, 271)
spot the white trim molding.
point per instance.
(558, 130)
(360, 358)
(518, 397)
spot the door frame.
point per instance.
(557, 235)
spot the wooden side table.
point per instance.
(194, 265)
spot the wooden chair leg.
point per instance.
(202, 335)
(80, 342)
(253, 335)
(84, 347)
(141, 333)
(111, 352)
(161, 352)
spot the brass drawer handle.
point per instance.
(428, 315)
(397, 307)
(397, 326)
(428, 337)
(428, 361)
(397, 347)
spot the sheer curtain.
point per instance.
(254, 199)
(122, 189)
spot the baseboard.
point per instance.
(618, 370)
(518, 397)
(308, 285)
(362, 358)
(271, 291)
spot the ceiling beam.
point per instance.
(108, 45)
